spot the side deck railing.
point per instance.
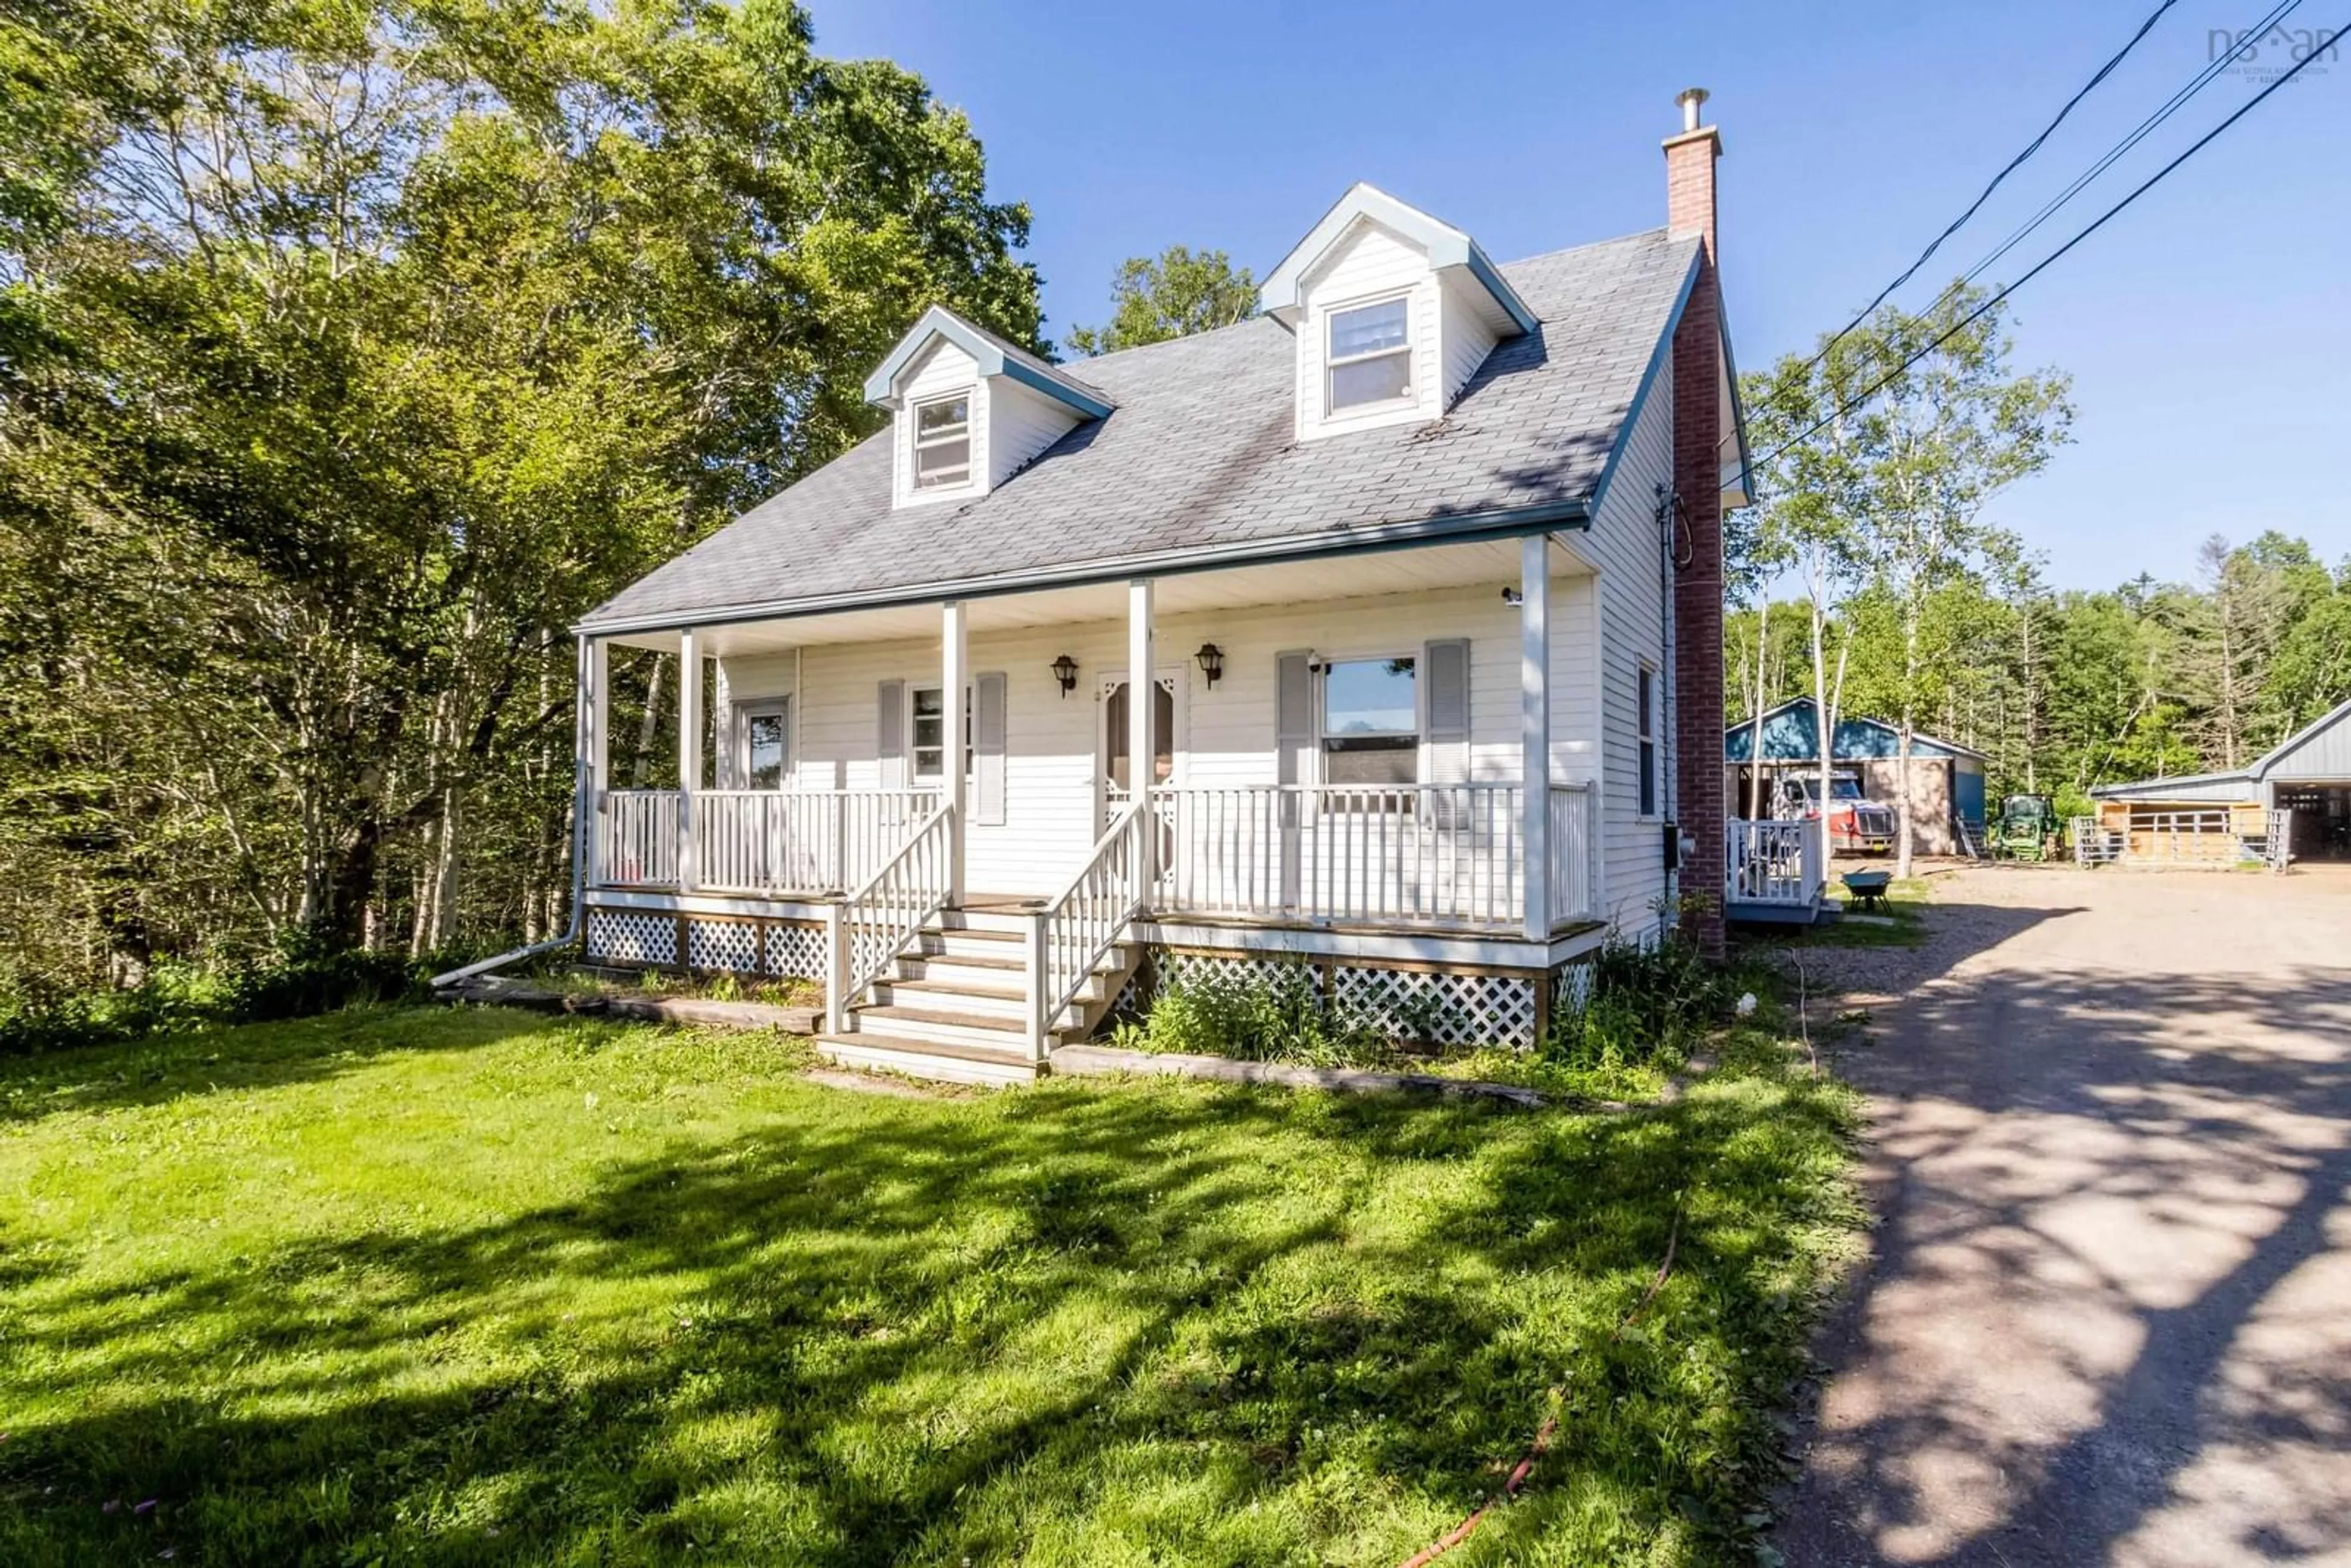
(1774, 862)
(1570, 852)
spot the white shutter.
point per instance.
(1293, 744)
(1445, 667)
(988, 749)
(1445, 736)
(889, 733)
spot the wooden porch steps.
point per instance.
(939, 1061)
(955, 1006)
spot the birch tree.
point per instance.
(1949, 428)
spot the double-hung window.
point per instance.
(930, 732)
(1371, 722)
(1648, 739)
(1370, 355)
(942, 443)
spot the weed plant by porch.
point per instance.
(1632, 1022)
(487, 1286)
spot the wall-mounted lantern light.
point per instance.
(1065, 670)
(1212, 662)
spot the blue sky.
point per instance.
(2207, 329)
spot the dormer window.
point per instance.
(942, 443)
(1395, 314)
(969, 410)
(1371, 355)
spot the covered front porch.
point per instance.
(1319, 750)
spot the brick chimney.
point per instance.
(1698, 535)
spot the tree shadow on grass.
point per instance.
(245, 1057)
(1178, 1321)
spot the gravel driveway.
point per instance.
(2107, 1316)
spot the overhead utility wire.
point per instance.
(2043, 263)
(2146, 128)
(2015, 164)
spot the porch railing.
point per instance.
(867, 930)
(1570, 852)
(1774, 862)
(1428, 853)
(636, 837)
(1069, 937)
(755, 840)
(769, 840)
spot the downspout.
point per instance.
(1668, 717)
(580, 807)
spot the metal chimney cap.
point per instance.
(1691, 99)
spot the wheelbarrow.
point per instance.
(1868, 887)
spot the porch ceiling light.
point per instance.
(1212, 661)
(1065, 670)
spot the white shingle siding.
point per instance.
(1223, 735)
(1021, 424)
(1624, 543)
(1464, 335)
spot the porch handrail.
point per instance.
(1429, 853)
(1069, 937)
(1570, 852)
(867, 930)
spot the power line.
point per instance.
(2015, 164)
(2146, 128)
(2043, 264)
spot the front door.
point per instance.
(1111, 764)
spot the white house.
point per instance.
(1421, 569)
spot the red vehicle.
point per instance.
(1857, 822)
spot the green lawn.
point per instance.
(437, 1286)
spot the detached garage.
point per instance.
(2187, 818)
(1946, 780)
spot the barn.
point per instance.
(2309, 776)
(1946, 780)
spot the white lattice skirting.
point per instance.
(796, 949)
(1445, 1008)
(729, 944)
(632, 936)
(788, 948)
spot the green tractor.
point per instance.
(2027, 827)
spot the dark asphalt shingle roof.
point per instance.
(1200, 455)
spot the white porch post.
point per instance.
(689, 756)
(1534, 731)
(954, 701)
(595, 750)
(1142, 696)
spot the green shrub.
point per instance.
(302, 977)
(1638, 1007)
(1225, 1010)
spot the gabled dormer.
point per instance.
(970, 410)
(1393, 311)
